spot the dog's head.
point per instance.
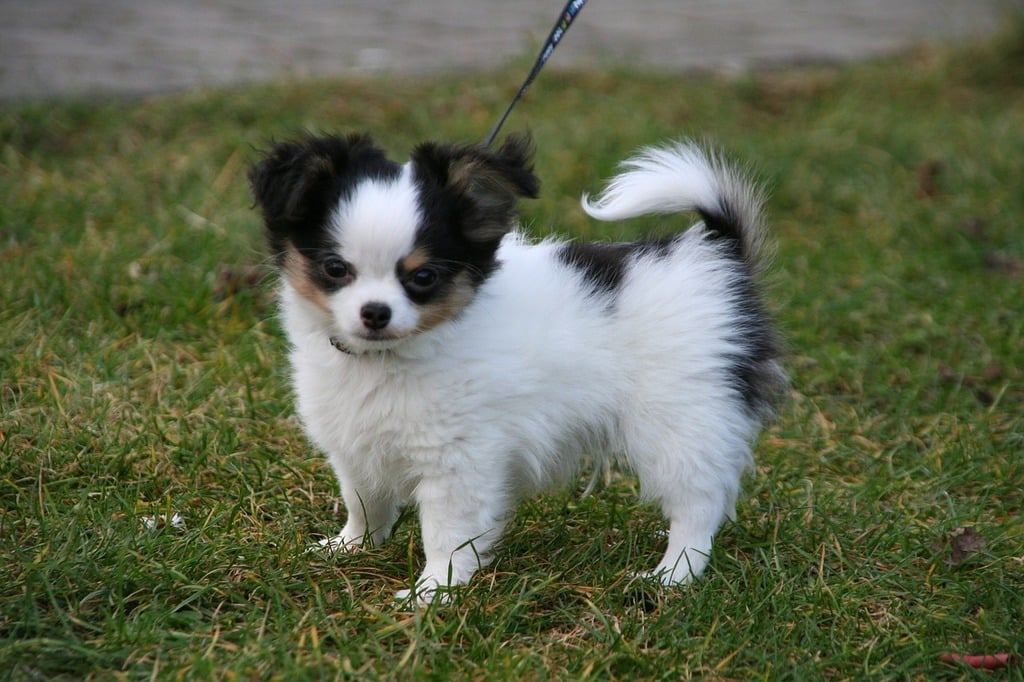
(385, 250)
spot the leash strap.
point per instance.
(572, 8)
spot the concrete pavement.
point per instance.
(134, 47)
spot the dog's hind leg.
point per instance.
(694, 518)
(694, 475)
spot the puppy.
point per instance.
(441, 359)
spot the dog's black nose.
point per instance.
(375, 315)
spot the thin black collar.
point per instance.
(336, 342)
(340, 346)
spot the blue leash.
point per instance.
(572, 8)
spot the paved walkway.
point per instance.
(135, 47)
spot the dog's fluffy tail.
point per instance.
(684, 177)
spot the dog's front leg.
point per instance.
(461, 519)
(372, 513)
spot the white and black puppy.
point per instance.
(440, 359)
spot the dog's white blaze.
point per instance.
(375, 225)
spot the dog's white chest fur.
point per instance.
(513, 376)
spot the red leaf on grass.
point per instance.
(928, 177)
(981, 661)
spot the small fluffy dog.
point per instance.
(442, 360)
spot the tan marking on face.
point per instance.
(442, 310)
(415, 260)
(296, 271)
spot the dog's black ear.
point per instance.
(297, 182)
(487, 184)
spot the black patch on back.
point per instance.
(604, 264)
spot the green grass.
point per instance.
(142, 374)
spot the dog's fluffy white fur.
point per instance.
(441, 359)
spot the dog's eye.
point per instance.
(423, 279)
(335, 268)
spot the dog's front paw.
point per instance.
(665, 576)
(425, 593)
(337, 544)
(680, 570)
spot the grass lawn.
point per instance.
(142, 375)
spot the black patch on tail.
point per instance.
(755, 373)
(723, 224)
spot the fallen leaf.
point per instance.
(231, 280)
(979, 661)
(1003, 264)
(976, 228)
(927, 178)
(962, 544)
